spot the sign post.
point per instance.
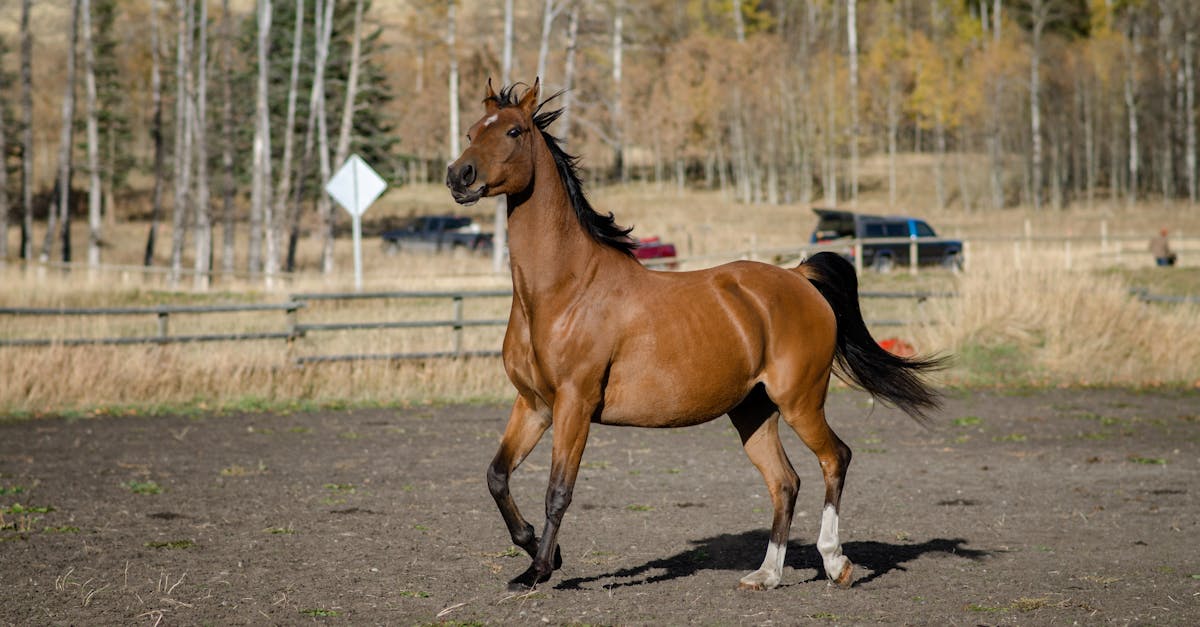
(355, 186)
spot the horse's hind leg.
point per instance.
(834, 456)
(757, 423)
(525, 428)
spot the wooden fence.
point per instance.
(295, 330)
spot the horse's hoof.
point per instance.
(528, 580)
(846, 579)
(756, 586)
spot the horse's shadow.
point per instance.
(743, 552)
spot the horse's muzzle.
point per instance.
(460, 178)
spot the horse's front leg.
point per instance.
(525, 428)
(571, 422)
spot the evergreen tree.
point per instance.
(373, 137)
(112, 90)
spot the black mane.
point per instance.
(603, 228)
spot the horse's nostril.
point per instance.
(468, 175)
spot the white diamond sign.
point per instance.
(356, 186)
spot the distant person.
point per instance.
(1161, 249)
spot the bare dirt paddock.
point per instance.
(1050, 507)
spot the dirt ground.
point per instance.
(1048, 507)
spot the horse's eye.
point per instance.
(514, 132)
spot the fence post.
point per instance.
(912, 255)
(858, 261)
(458, 329)
(162, 324)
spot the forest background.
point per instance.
(1033, 103)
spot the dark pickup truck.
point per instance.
(835, 224)
(438, 233)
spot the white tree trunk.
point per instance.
(739, 23)
(183, 136)
(569, 70)
(283, 191)
(64, 151)
(852, 38)
(550, 10)
(453, 144)
(618, 107)
(229, 185)
(156, 132)
(1035, 114)
(500, 220)
(203, 261)
(1133, 51)
(27, 147)
(3, 195)
(260, 190)
(93, 138)
(1189, 94)
(323, 20)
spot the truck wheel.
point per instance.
(953, 261)
(883, 263)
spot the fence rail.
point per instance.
(295, 330)
(163, 313)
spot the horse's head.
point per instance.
(499, 157)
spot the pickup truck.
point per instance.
(439, 233)
(895, 234)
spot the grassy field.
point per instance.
(1030, 311)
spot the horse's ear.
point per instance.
(529, 100)
(491, 101)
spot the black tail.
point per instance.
(859, 358)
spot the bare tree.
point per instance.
(156, 132)
(550, 10)
(203, 261)
(451, 46)
(1189, 77)
(183, 135)
(93, 138)
(26, 133)
(1133, 50)
(229, 186)
(569, 70)
(324, 205)
(3, 191)
(500, 226)
(618, 111)
(64, 152)
(283, 191)
(342, 151)
(852, 46)
(1040, 14)
(322, 17)
(260, 191)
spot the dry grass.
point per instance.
(1025, 314)
(1043, 324)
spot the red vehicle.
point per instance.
(654, 248)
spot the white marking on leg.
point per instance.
(490, 120)
(829, 545)
(771, 571)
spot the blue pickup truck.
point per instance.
(439, 233)
(835, 224)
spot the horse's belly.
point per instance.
(661, 398)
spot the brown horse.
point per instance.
(595, 337)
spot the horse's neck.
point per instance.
(551, 254)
